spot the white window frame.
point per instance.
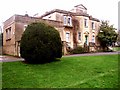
(65, 20)
(69, 21)
(79, 36)
(67, 36)
(93, 25)
(86, 23)
(93, 38)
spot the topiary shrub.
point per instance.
(40, 43)
(78, 50)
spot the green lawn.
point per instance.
(0, 75)
(70, 72)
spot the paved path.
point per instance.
(12, 59)
(93, 54)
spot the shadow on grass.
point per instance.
(39, 62)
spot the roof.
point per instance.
(95, 19)
(64, 12)
(69, 13)
(56, 10)
(81, 5)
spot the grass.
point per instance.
(70, 72)
(0, 75)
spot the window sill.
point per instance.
(8, 39)
(86, 26)
(93, 31)
(67, 41)
(79, 40)
(68, 26)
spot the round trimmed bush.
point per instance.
(78, 50)
(40, 43)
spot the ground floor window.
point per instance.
(86, 39)
(67, 37)
(93, 39)
(79, 35)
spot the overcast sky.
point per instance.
(101, 9)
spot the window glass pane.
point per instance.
(9, 33)
(67, 37)
(65, 19)
(85, 23)
(6, 34)
(93, 25)
(93, 39)
(79, 35)
(68, 21)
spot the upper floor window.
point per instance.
(86, 23)
(67, 20)
(93, 25)
(8, 33)
(67, 37)
(79, 35)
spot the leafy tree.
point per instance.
(118, 41)
(40, 43)
(107, 35)
(1, 39)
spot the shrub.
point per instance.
(77, 50)
(40, 43)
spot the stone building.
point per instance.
(76, 28)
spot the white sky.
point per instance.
(101, 9)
